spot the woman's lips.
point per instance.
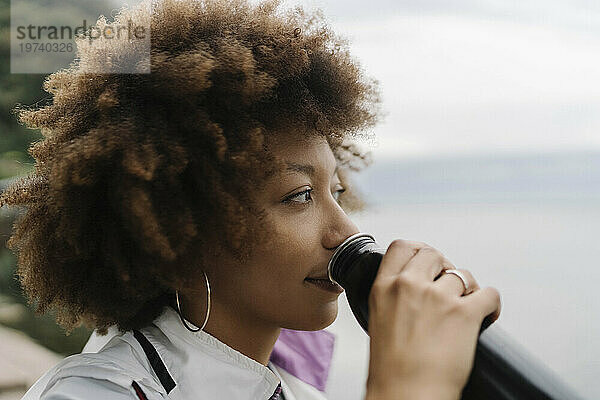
(325, 284)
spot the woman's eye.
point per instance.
(305, 193)
(306, 196)
(339, 192)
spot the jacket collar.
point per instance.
(307, 355)
(202, 365)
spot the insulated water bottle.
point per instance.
(502, 370)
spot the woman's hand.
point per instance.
(423, 331)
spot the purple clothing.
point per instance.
(305, 354)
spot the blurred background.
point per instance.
(29, 344)
(490, 152)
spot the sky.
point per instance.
(477, 77)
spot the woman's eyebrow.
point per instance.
(306, 169)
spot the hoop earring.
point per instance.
(207, 307)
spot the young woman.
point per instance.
(192, 210)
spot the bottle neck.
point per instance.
(347, 254)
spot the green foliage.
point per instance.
(14, 89)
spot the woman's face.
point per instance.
(307, 224)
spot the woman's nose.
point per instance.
(339, 228)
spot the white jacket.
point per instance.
(167, 361)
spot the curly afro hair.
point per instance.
(138, 175)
